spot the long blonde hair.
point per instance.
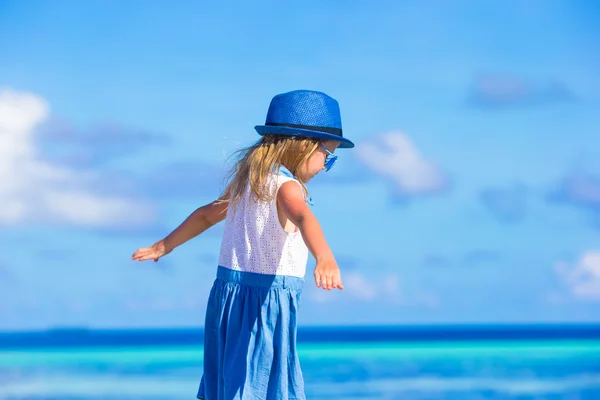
(256, 162)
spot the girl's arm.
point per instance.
(290, 200)
(196, 223)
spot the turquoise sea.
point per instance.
(336, 365)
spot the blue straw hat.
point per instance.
(305, 113)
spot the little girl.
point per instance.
(250, 327)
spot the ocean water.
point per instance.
(346, 369)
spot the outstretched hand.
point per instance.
(154, 252)
(328, 276)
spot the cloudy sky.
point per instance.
(472, 196)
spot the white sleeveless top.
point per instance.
(255, 241)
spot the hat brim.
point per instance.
(287, 131)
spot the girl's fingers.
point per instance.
(143, 256)
(328, 282)
(138, 256)
(147, 253)
(140, 252)
(335, 284)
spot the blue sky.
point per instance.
(472, 196)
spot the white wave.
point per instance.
(169, 386)
(514, 386)
(99, 386)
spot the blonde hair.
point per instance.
(255, 164)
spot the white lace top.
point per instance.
(255, 241)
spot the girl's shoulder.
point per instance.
(282, 176)
(285, 175)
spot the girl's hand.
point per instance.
(154, 252)
(327, 275)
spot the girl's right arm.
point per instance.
(197, 222)
(290, 200)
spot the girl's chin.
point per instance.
(302, 178)
(305, 178)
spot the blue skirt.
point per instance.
(250, 338)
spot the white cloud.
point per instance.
(359, 286)
(394, 156)
(386, 288)
(32, 189)
(582, 278)
(356, 285)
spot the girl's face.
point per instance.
(316, 162)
